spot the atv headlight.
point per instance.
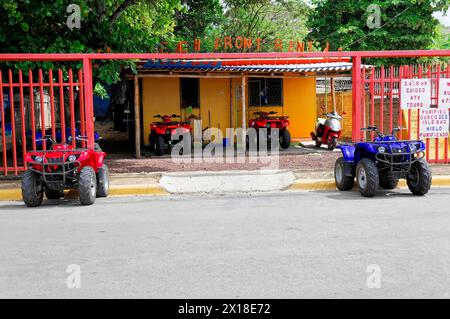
(72, 158)
(38, 159)
(382, 149)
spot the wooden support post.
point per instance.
(333, 94)
(137, 118)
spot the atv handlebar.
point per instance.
(163, 116)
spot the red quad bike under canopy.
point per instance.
(166, 133)
(265, 120)
(62, 167)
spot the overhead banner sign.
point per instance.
(444, 94)
(415, 93)
(434, 123)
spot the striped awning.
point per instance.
(219, 66)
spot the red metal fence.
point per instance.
(35, 105)
(381, 98)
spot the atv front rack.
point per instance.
(399, 164)
(63, 170)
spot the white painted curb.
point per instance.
(227, 181)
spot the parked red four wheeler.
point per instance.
(164, 134)
(65, 167)
(265, 120)
(328, 130)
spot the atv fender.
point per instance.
(100, 159)
(348, 151)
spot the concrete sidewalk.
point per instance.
(219, 182)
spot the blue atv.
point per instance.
(382, 163)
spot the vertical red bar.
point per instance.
(400, 111)
(410, 75)
(446, 140)
(372, 102)
(89, 99)
(419, 75)
(32, 113)
(13, 121)
(81, 102)
(5, 160)
(382, 99)
(428, 140)
(52, 104)
(72, 109)
(22, 117)
(42, 109)
(391, 98)
(62, 118)
(436, 140)
(363, 101)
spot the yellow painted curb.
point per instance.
(114, 190)
(122, 190)
(11, 194)
(313, 185)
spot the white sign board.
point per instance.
(415, 93)
(444, 94)
(434, 123)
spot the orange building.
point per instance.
(225, 94)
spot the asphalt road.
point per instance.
(296, 245)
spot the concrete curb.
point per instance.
(227, 181)
(15, 194)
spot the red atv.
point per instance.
(166, 133)
(65, 167)
(265, 120)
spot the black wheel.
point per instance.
(285, 139)
(367, 177)
(419, 178)
(103, 181)
(53, 194)
(331, 142)
(32, 189)
(343, 182)
(151, 139)
(160, 146)
(389, 184)
(87, 186)
(318, 143)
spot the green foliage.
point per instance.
(35, 26)
(265, 19)
(404, 24)
(196, 19)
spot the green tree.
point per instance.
(35, 26)
(265, 19)
(403, 24)
(197, 19)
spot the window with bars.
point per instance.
(265, 92)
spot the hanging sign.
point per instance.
(415, 93)
(434, 123)
(444, 94)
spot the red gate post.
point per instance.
(356, 95)
(88, 100)
(5, 161)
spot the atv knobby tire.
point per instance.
(419, 178)
(87, 186)
(367, 177)
(389, 184)
(53, 194)
(160, 146)
(343, 182)
(32, 192)
(103, 181)
(285, 139)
